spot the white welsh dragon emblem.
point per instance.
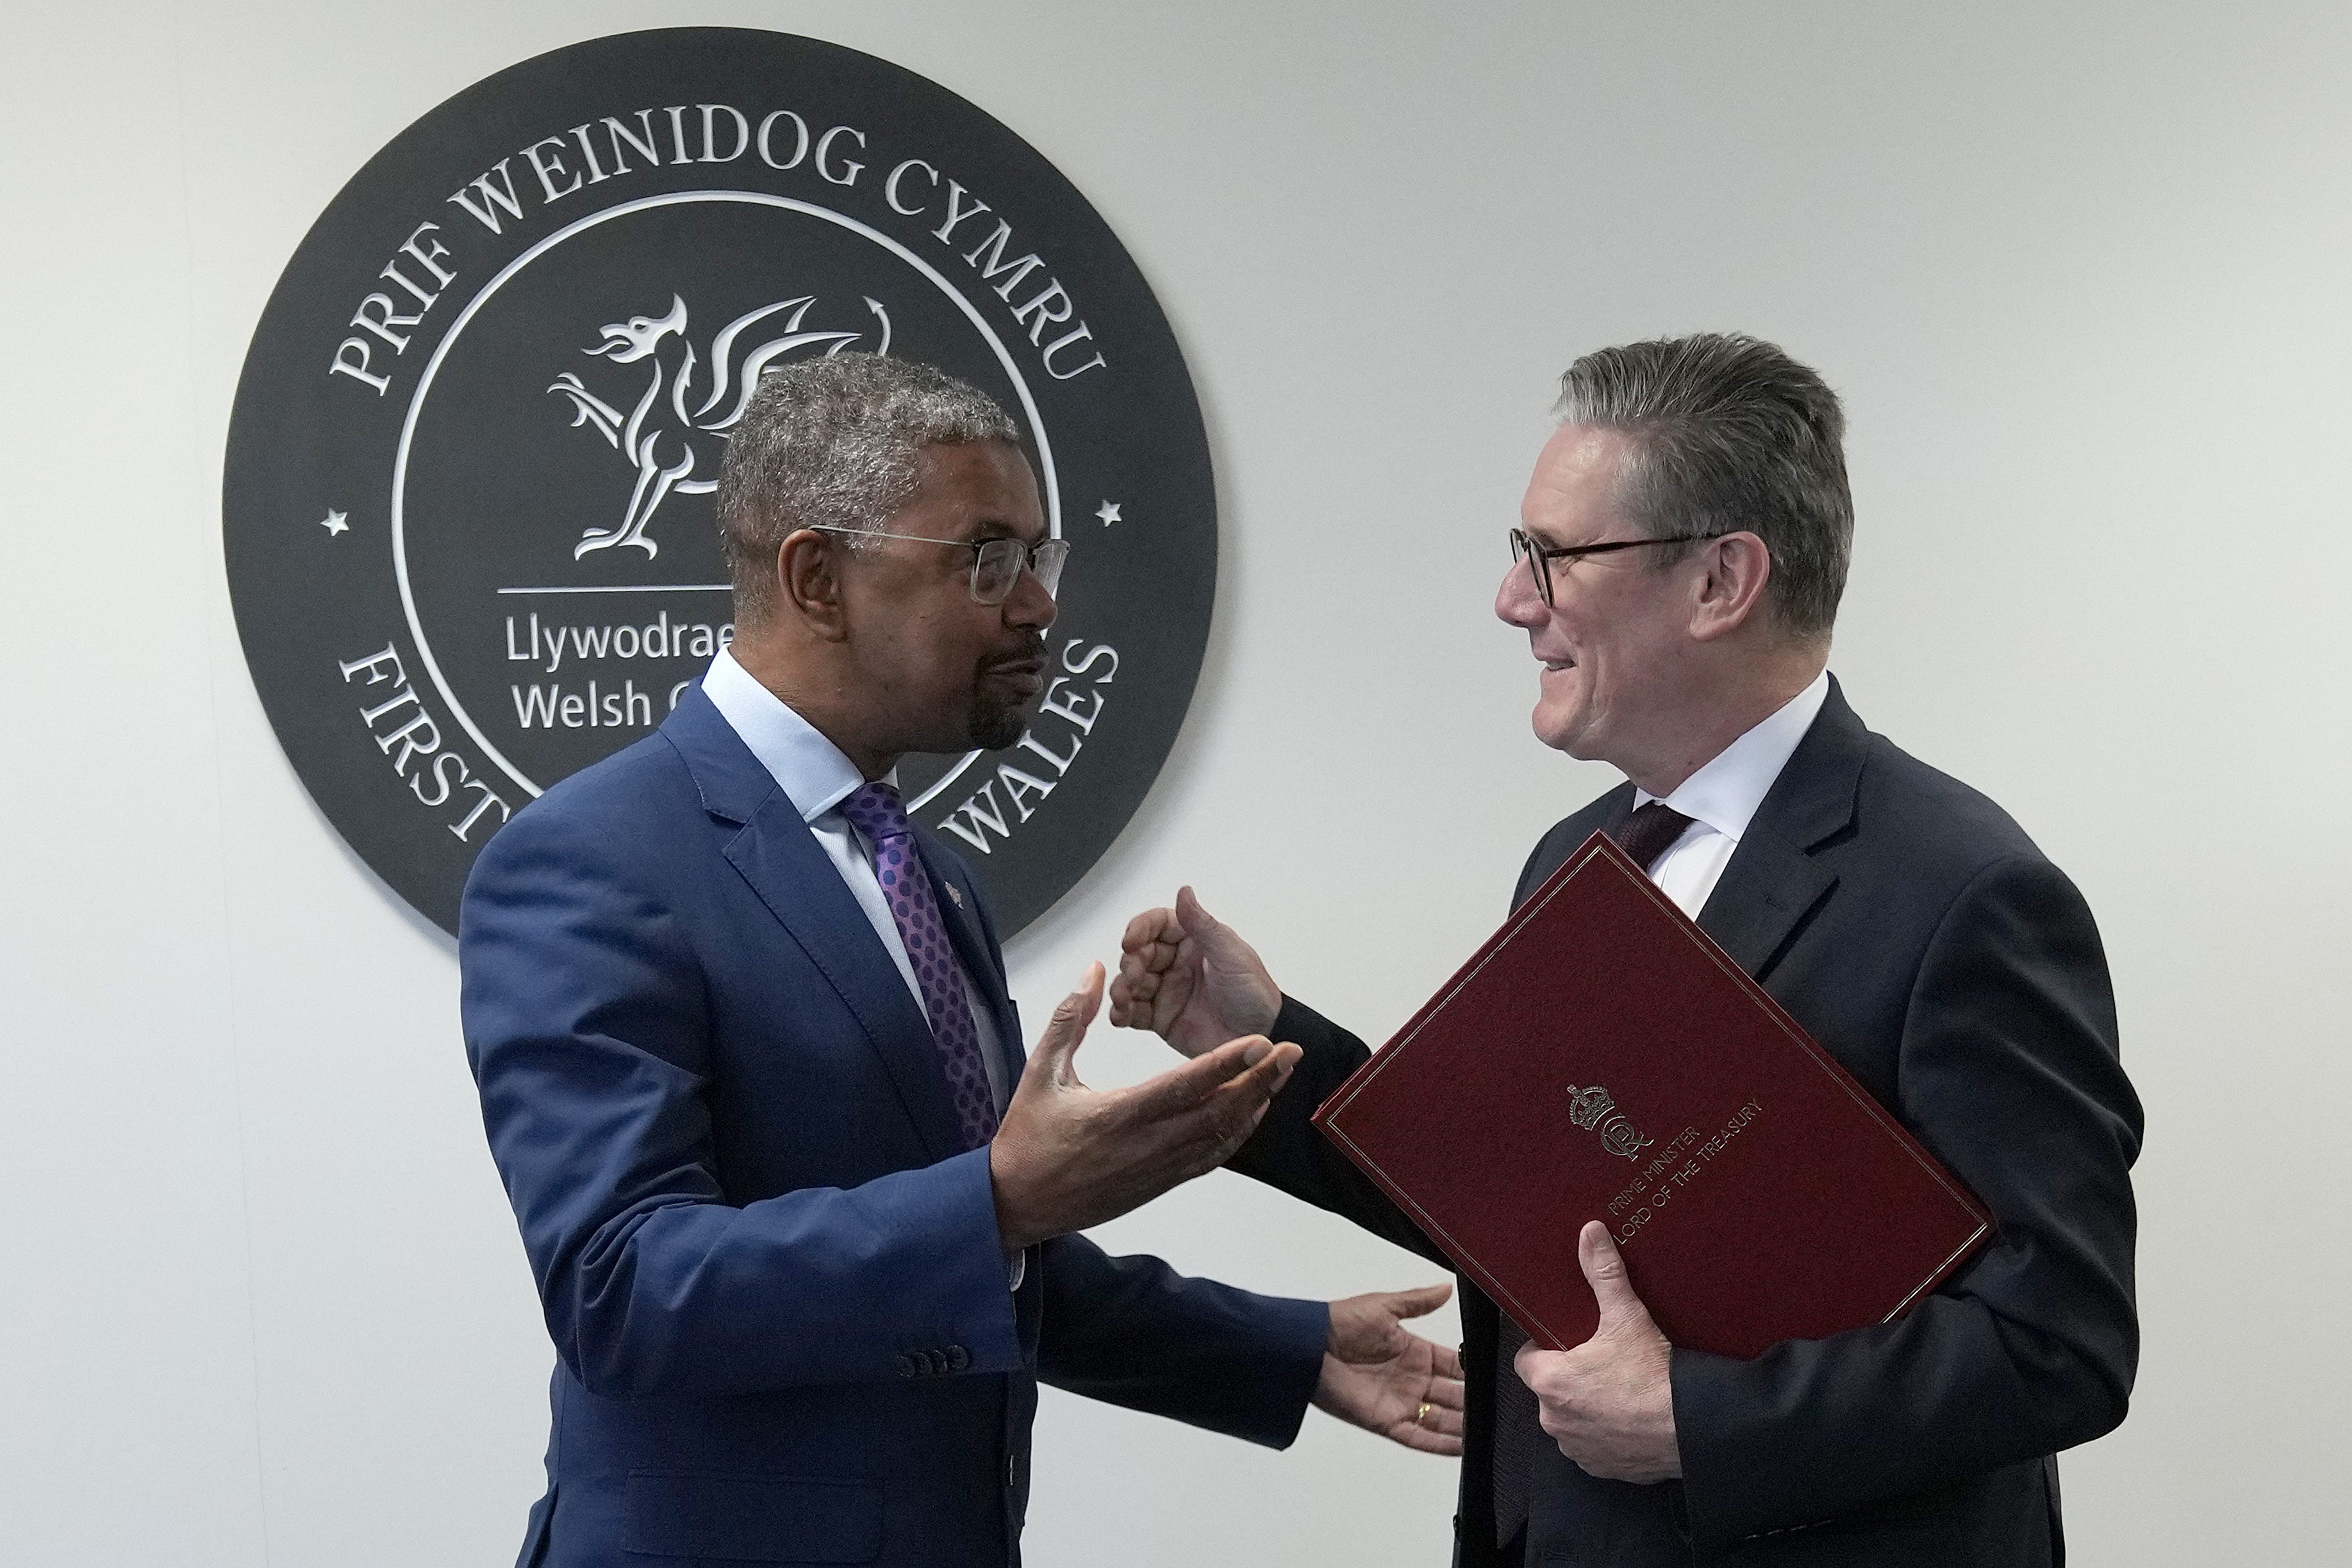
(665, 436)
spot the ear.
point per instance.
(808, 581)
(1729, 590)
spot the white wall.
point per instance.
(2079, 271)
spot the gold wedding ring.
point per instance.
(1420, 1416)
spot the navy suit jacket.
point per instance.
(1915, 930)
(782, 1315)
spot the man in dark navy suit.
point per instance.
(1683, 550)
(802, 1222)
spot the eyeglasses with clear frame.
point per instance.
(1538, 558)
(997, 564)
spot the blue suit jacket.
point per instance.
(779, 1309)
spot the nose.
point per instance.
(1517, 602)
(1029, 605)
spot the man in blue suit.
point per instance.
(803, 1223)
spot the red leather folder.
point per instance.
(1600, 1057)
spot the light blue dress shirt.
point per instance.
(817, 777)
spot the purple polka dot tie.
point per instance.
(876, 811)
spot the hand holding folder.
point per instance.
(1601, 1059)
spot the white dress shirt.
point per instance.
(817, 777)
(1721, 799)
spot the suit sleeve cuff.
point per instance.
(976, 1310)
(1299, 1330)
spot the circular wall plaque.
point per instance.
(468, 503)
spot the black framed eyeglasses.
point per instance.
(997, 564)
(1539, 557)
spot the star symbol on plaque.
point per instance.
(1109, 513)
(336, 523)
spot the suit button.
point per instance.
(938, 1363)
(958, 1358)
(907, 1367)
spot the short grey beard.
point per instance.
(994, 729)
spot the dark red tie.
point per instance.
(1650, 832)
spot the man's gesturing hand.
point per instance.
(1610, 1402)
(1191, 979)
(1068, 1156)
(1387, 1380)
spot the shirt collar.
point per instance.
(807, 766)
(1726, 792)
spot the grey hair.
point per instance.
(832, 442)
(1728, 433)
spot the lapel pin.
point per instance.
(955, 895)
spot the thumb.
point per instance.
(1067, 1027)
(1199, 925)
(1416, 1302)
(1604, 1270)
(1218, 942)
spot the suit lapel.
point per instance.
(1606, 814)
(1772, 879)
(959, 909)
(1618, 811)
(788, 869)
(1764, 892)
